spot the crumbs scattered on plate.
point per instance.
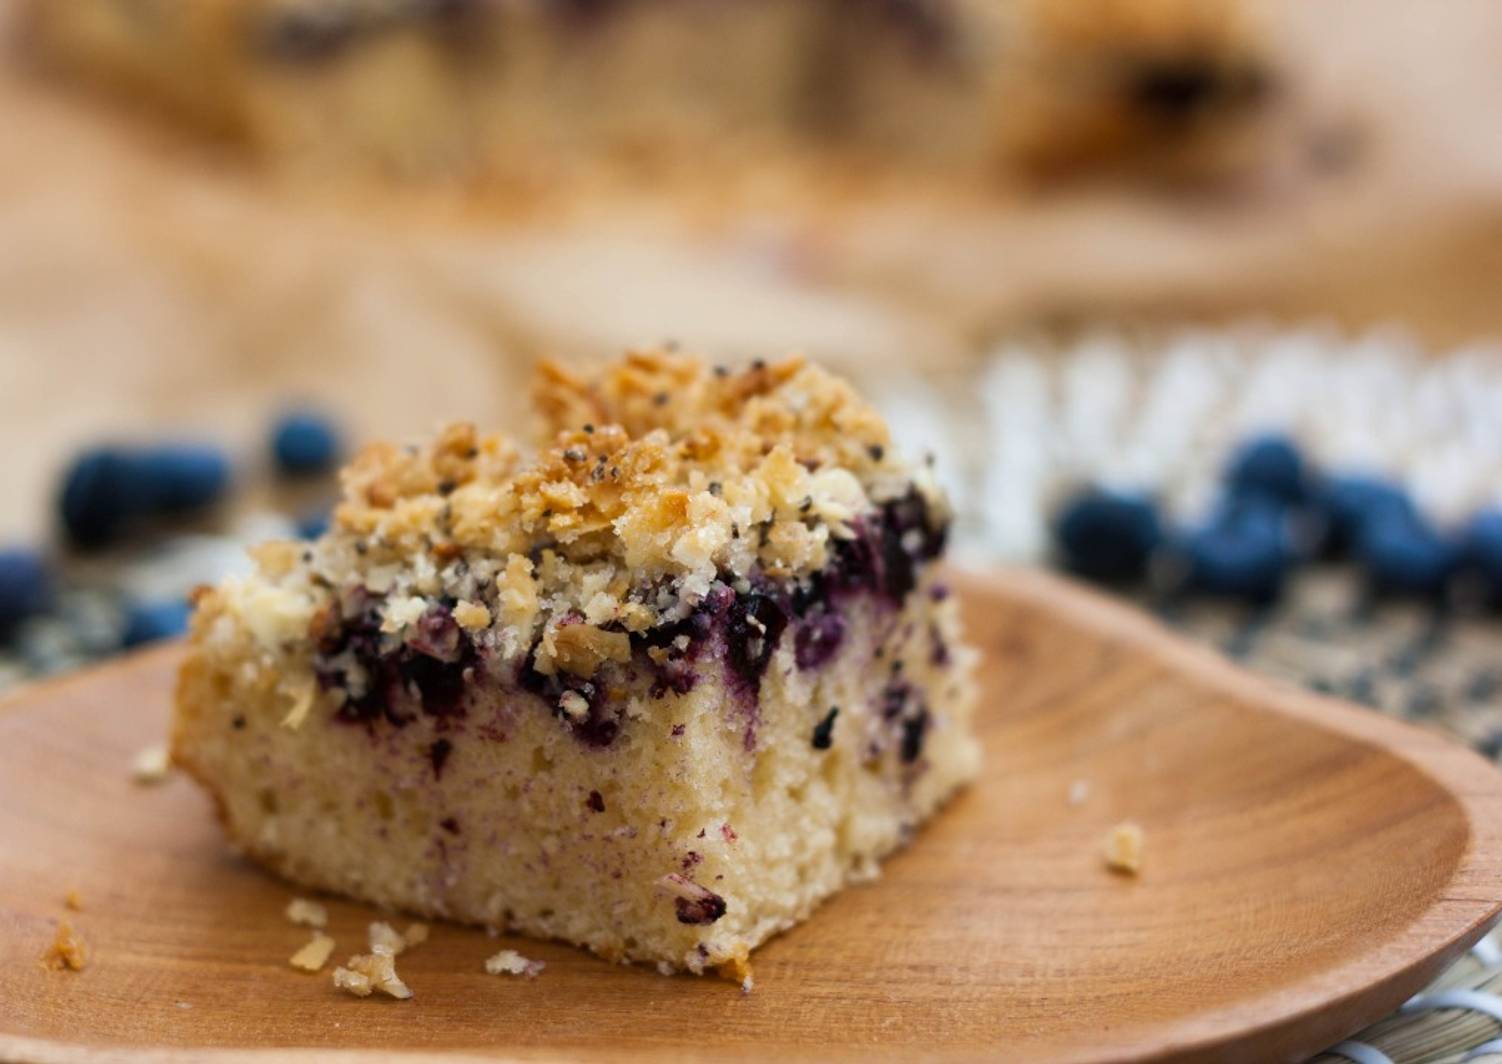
(510, 962)
(307, 913)
(315, 954)
(67, 952)
(1124, 848)
(151, 766)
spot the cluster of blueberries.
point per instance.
(1276, 510)
(109, 493)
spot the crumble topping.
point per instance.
(1124, 848)
(314, 954)
(510, 962)
(307, 913)
(67, 951)
(674, 504)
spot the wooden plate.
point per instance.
(1309, 865)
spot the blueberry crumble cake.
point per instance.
(658, 690)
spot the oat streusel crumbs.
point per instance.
(67, 951)
(151, 765)
(367, 972)
(307, 913)
(623, 521)
(314, 954)
(510, 962)
(1124, 848)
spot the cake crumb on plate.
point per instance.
(67, 951)
(510, 962)
(386, 939)
(1124, 848)
(151, 765)
(307, 913)
(315, 954)
(368, 972)
(72, 901)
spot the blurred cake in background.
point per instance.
(532, 93)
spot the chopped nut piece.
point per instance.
(67, 951)
(371, 971)
(307, 913)
(151, 765)
(510, 962)
(315, 954)
(1124, 848)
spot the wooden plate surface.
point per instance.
(1308, 866)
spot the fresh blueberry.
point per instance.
(100, 495)
(1107, 536)
(1483, 547)
(106, 489)
(25, 586)
(1352, 501)
(304, 443)
(1403, 554)
(179, 477)
(1243, 551)
(313, 524)
(151, 622)
(1270, 464)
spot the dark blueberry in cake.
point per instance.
(595, 801)
(438, 754)
(700, 910)
(755, 624)
(824, 730)
(818, 638)
(894, 698)
(914, 731)
(938, 653)
(450, 825)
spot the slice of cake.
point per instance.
(657, 692)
